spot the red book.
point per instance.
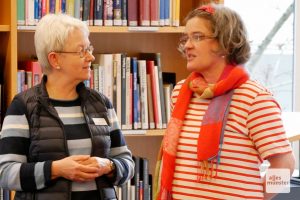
(132, 12)
(144, 13)
(35, 68)
(155, 98)
(154, 12)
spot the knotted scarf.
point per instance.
(211, 131)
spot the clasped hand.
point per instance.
(80, 168)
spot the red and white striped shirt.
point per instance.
(254, 132)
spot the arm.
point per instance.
(268, 134)
(119, 153)
(16, 173)
(283, 161)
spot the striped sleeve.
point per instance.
(119, 152)
(266, 127)
(15, 172)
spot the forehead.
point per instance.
(197, 24)
(76, 38)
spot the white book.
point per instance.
(29, 13)
(117, 84)
(106, 60)
(143, 93)
(167, 95)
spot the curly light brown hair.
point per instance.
(228, 28)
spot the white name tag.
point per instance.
(100, 121)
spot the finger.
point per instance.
(88, 169)
(80, 157)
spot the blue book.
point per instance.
(167, 13)
(135, 95)
(162, 12)
(98, 12)
(63, 6)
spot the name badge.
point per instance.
(100, 121)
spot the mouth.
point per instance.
(190, 56)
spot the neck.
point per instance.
(213, 74)
(61, 89)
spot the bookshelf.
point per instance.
(17, 44)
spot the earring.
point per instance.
(57, 67)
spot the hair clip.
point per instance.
(207, 8)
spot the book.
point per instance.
(21, 12)
(98, 12)
(70, 7)
(86, 11)
(132, 12)
(154, 12)
(108, 12)
(156, 57)
(142, 70)
(150, 103)
(117, 12)
(34, 67)
(124, 13)
(144, 17)
(144, 171)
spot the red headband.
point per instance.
(207, 8)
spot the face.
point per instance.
(72, 65)
(201, 47)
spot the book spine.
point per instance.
(77, 7)
(143, 94)
(70, 8)
(154, 12)
(167, 12)
(135, 93)
(132, 12)
(108, 12)
(124, 14)
(117, 20)
(161, 12)
(144, 13)
(21, 12)
(98, 12)
(86, 11)
(91, 14)
(150, 102)
(123, 90)
(63, 6)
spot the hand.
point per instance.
(75, 168)
(102, 163)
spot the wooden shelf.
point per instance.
(4, 28)
(120, 29)
(137, 133)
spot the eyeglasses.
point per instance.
(194, 38)
(82, 53)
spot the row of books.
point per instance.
(103, 12)
(135, 87)
(140, 186)
(138, 89)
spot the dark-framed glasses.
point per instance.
(194, 39)
(82, 53)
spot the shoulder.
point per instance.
(100, 97)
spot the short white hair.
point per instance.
(51, 34)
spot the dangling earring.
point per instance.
(58, 67)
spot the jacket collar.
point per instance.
(43, 95)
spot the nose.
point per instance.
(90, 57)
(188, 43)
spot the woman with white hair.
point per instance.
(61, 140)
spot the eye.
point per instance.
(197, 37)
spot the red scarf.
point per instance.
(212, 128)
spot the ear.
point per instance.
(53, 59)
